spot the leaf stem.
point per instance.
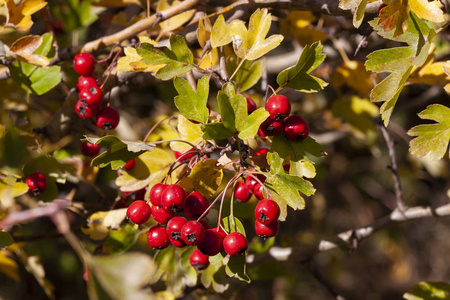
(238, 67)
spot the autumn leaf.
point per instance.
(24, 47)
(251, 44)
(359, 7)
(175, 21)
(446, 68)
(394, 15)
(20, 16)
(204, 31)
(431, 139)
(220, 34)
(354, 75)
(428, 10)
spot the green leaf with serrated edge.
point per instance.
(119, 152)
(248, 74)
(429, 291)
(233, 224)
(236, 267)
(302, 168)
(189, 132)
(5, 239)
(287, 186)
(297, 77)
(220, 34)
(123, 276)
(251, 44)
(192, 104)
(120, 240)
(177, 61)
(216, 131)
(252, 123)
(279, 200)
(296, 150)
(43, 80)
(431, 139)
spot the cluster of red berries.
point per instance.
(91, 95)
(37, 183)
(169, 199)
(294, 127)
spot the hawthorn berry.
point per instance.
(139, 212)
(278, 107)
(37, 183)
(266, 230)
(242, 192)
(262, 151)
(258, 191)
(161, 215)
(157, 237)
(267, 211)
(270, 127)
(185, 156)
(91, 96)
(84, 64)
(86, 82)
(251, 105)
(88, 149)
(235, 244)
(198, 260)
(155, 193)
(108, 118)
(174, 231)
(172, 198)
(195, 205)
(129, 165)
(192, 232)
(250, 181)
(295, 128)
(84, 111)
(212, 242)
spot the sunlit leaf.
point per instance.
(220, 34)
(175, 21)
(115, 3)
(25, 47)
(131, 62)
(354, 75)
(428, 10)
(120, 240)
(428, 291)
(431, 139)
(20, 15)
(204, 31)
(190, 103)
(9, 266)
(95, 227)
(189, 132)
(394, 15)
(248, 74)
(236, 267)
(359, 7)
(10, 188)
(205, 178)
(357, 112)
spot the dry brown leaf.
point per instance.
(24, 47)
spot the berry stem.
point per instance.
(237, 69)
(260, 182)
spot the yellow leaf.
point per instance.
(146, 39)
(251, 44)
(296, 20)
(189, 132)
(204, 31)
(175, 21)
(394, 15)
(431, 73)
(428, 10)
(8, 266)
(131, 62)
(96, 229)
(204, 178)
(9, 189)
(220, 34)
(24, 47)
(359, 7)
(354, 75)
(20, 16)
(116, 3)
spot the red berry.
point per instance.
(84, 64)
(250, 181)
(185, 156)
(262, 151)
(195, 205)
(89, 149)
(160, 215)
(211, 244)
(192, 232)
(174, 231)
(37, 183)
(278, 107)
(235, 244)
(155, 193)
(270, 127)
(108, 118)
(222, 233)
(267, 211)
(251, 105)
(205, 224)
(258, 191)
(139, 212)
(198, 260)
(86, 82)
(242, 192)
(172, 198)
(266, 230)
(296, 128)
(84, 111)
(157, 237)
(91, 96)
(380, 8)
(129, 165)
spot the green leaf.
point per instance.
(119, 152)
(237, 268)
(5, 239)
(213, 275)
(233, 224)
(431, 139)
(176, 62)
(120, 240)
(248, 74)
(357, 112)
(220, 34)
(429, 291)
(251, 44)
(287, 186)
(297, 77)
(252, 122)
(192, 104)
(43, 80)
(216, 131)
(188, 132)
(296, 150)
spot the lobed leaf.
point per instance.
(190, 103)
(220, 34)
(205, 178)
(248, 74)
